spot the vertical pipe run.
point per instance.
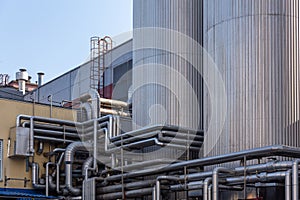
(295, 180)
(31, 135)
(209, 192)
(95, 144)
(47, 176)
(215, 180)
(288, 185)
(157, 188)
(207, 182)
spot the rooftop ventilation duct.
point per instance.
(40, 78)
(22, 77)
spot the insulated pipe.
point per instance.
(138, 165)
(56, 133)
(276, 150)
(148, 142)
(114, 112)
(114, 102)
(54, 140)
(85, 167)
(270, 166)
(158, 127)
(152, 134)
(128, 194)
(295, 181)
(209, 192)
(86, 97)
(157, 184)
(288, 187)
(35, 177)
(207, 183)
(31, 135)
(69, 158)
(47, 176)
(51, 127)
(215, 180)
(58, 121)
(44, 119)
(262, 177)
(126, 186)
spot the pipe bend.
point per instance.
(72, 148)
(86, 165)
(218, 170)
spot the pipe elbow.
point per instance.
(72, 148)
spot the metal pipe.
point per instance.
(288, 187)
(276, 150)
(86, 166)
(31, 135)
(127, 186)
(41, 148)
(148, 142)
(113, 102)
(207, 182)
(158, 127)
(209, 192)
(51, 127)
(35, 177)
(138, 165)
(157, 184)
(295, 182)
(69, 158)
(56, 133)
(270, 166)
(215, 180)
(47, 176)
(114, 112)
(95, 145)
(128, 194)
(54, 140)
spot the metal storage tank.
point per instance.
(155, 103)
(255, 45)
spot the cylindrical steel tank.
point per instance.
(255, 45)
(155, 102)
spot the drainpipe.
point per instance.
(207, 182)
(288, 187)
(295, 181)
(215, 180)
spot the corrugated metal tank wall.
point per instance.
(153, 103)
(255, 45)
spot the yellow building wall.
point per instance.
(16, 168)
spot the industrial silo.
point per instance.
(166, 88)
(154, 102)
(255, 45)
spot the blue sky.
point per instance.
(53, 36)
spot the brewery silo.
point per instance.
(154, 102)
(255, 45)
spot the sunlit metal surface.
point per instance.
(255, 45)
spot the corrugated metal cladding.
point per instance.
(157, 103)
(255, 45)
